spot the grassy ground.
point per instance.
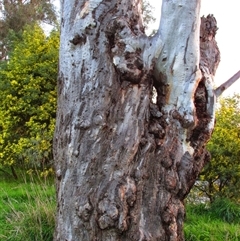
(27, 214)
(219, 222)
(27, 211)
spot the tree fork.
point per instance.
(124, 164)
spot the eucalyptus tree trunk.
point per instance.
(123, 163)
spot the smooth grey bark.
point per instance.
(227, 84)
(124, 164)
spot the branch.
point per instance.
(227, 84)
(177, 67)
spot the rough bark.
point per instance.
(124, 164)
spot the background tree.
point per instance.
(147, 14)
(124, 164)
(15, 14)
(222, 173)
(28, 100)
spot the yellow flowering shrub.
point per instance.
(28, 100)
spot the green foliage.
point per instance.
(16, 14)
(28, 100)
(223, 171)
(27, 211)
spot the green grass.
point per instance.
(219, 222)
(27, 211)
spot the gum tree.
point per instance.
(123, 163)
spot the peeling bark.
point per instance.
(124, 164)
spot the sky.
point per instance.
(228, 37)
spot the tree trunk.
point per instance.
(123, 163)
